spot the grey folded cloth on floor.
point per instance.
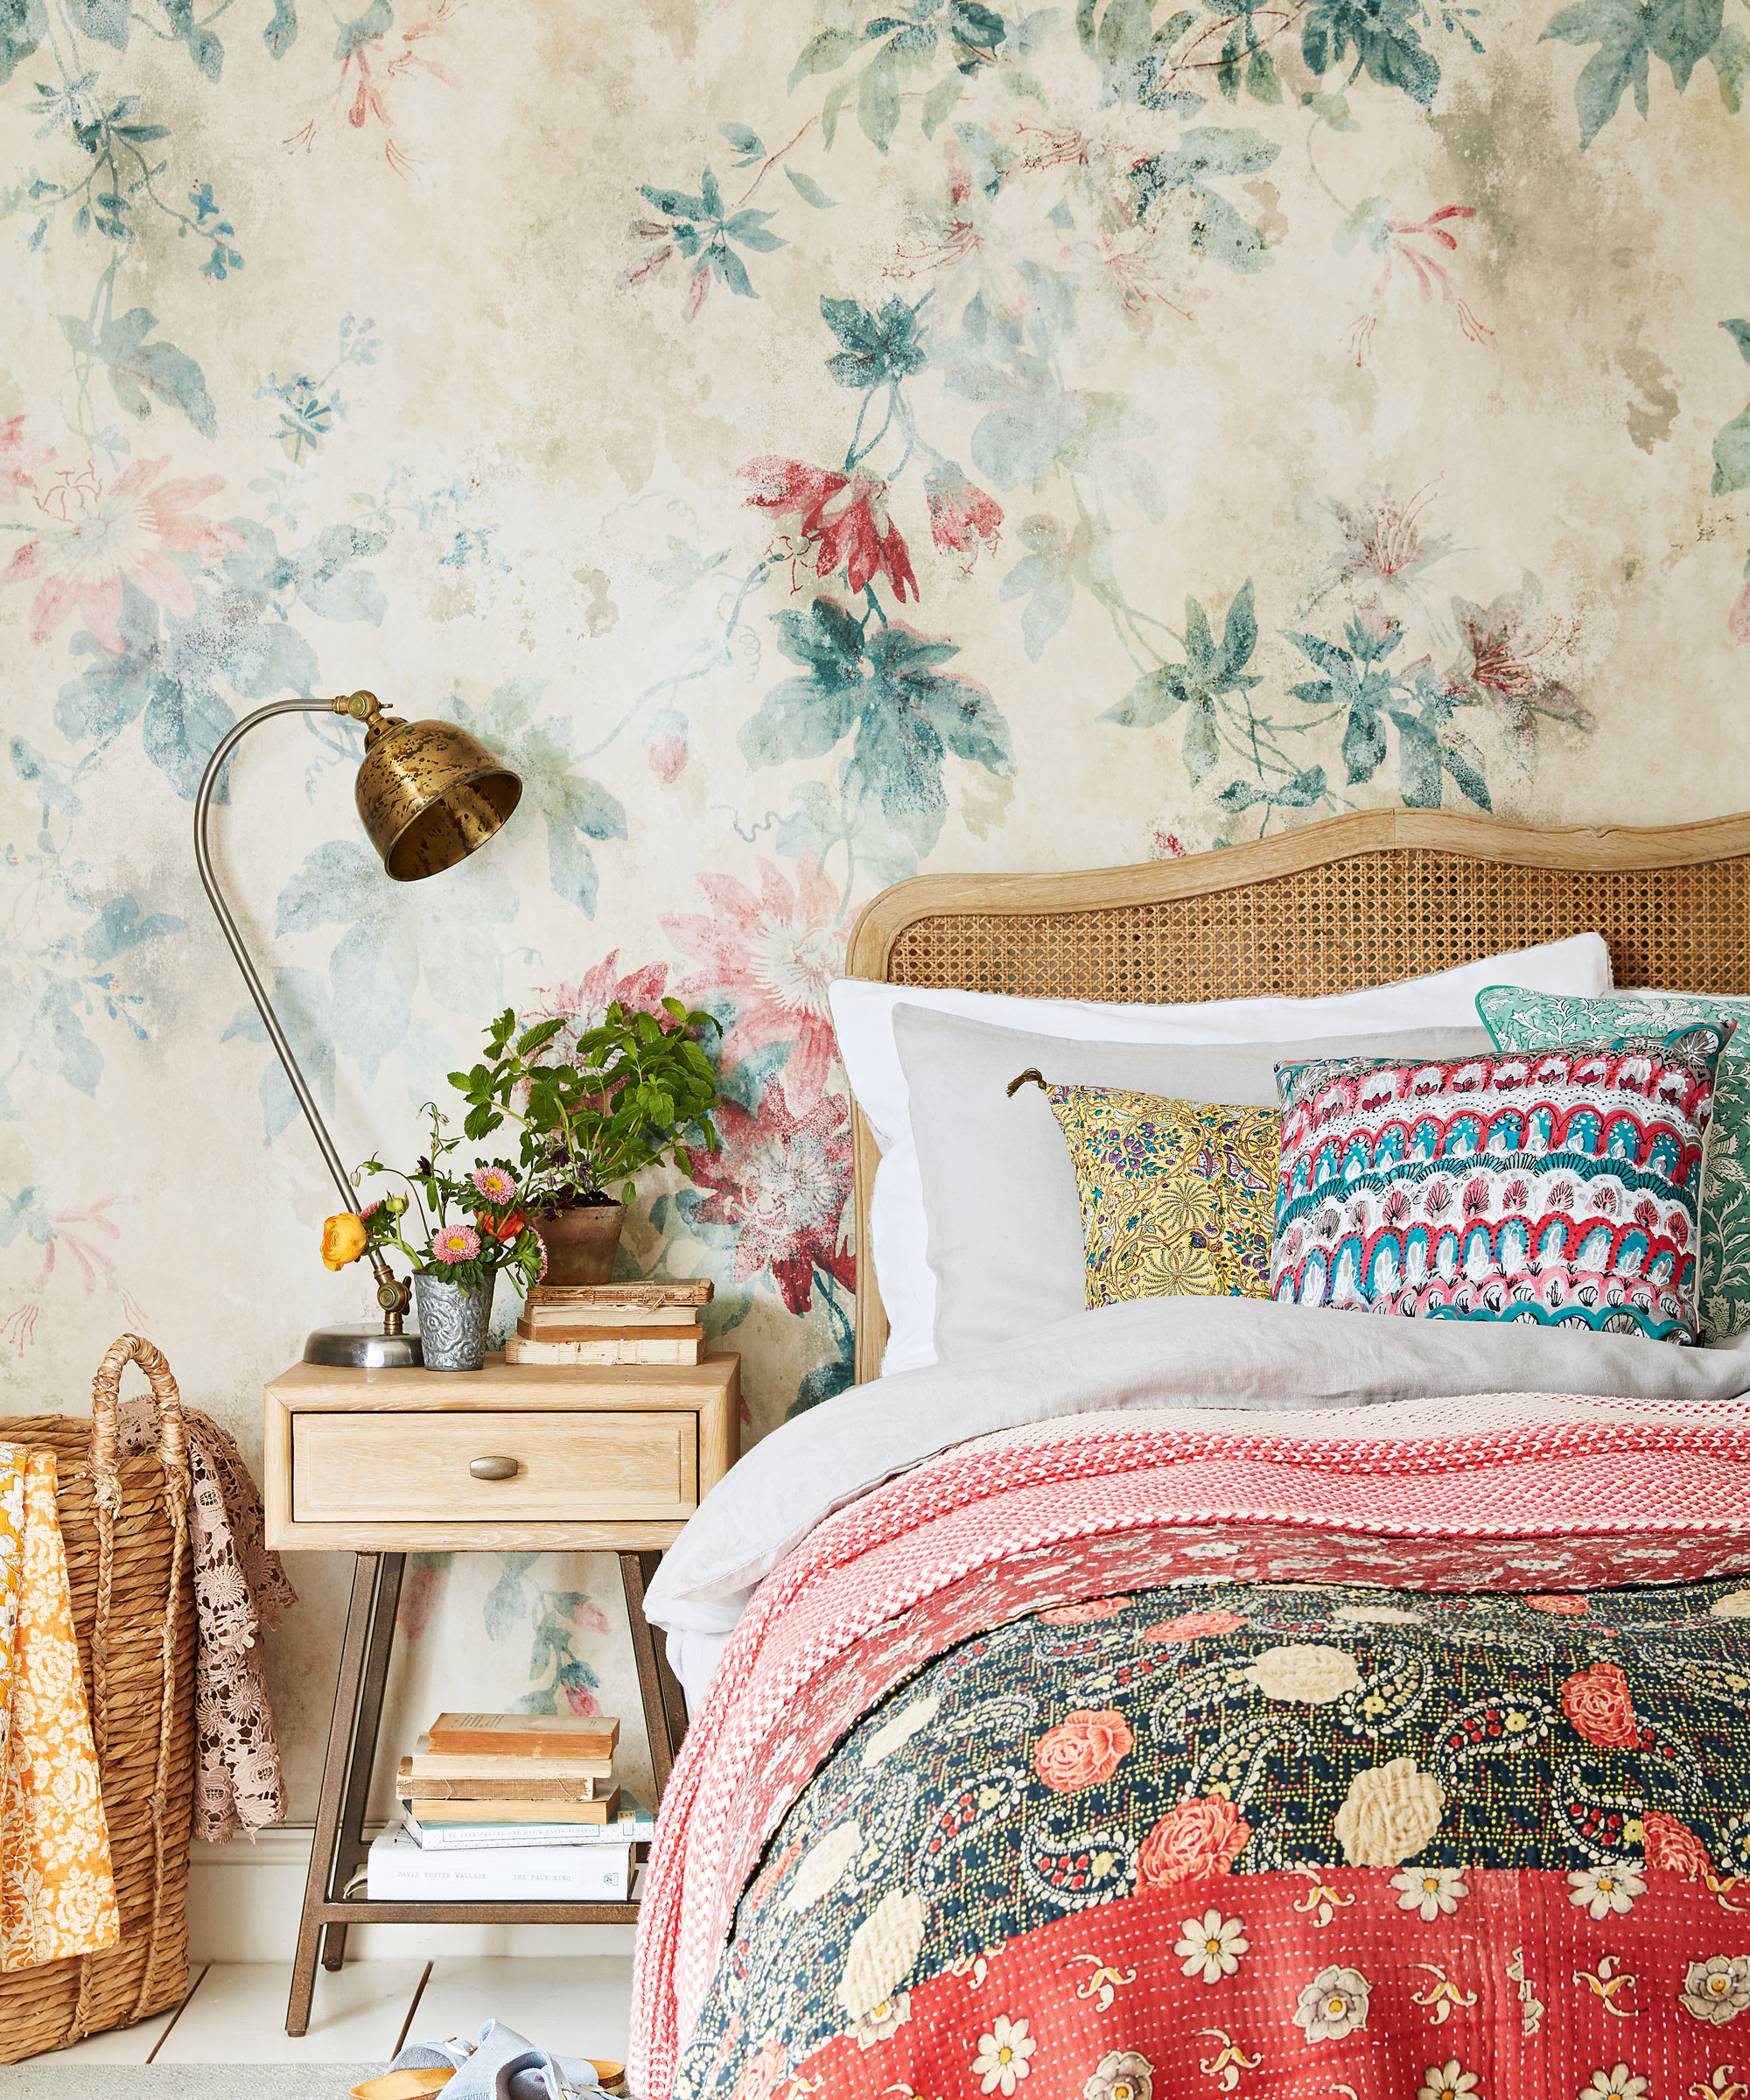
(502, 2065)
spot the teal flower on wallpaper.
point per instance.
(878, 685)
(521, 1603)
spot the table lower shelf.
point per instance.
(387, 1911)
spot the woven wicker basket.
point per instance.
(125, 1525)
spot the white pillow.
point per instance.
(863, 1014)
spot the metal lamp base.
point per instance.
(362, 1346)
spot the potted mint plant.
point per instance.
(593, 1113)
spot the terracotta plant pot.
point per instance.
(581, 1244)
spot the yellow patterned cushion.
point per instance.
(1177, 1197)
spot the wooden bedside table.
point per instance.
(531, 1458)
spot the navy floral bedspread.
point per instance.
(1292, 1812)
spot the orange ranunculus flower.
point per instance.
(344, 1239)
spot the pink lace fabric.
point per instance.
(239, 1591)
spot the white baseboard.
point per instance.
(244, 1901)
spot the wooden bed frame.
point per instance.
(1354, 901)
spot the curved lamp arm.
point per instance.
(388, 1288)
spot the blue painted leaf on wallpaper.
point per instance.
(745, 1080)
(825, 1381)
(1385, 38)
(1680, 33)
(329, 584)
(824, 53)
(23, 23)
(1130, 51)
(574, 807)
(1731, 445)
(52, 1037)
(376, 21)
(280, 34)
(374, 968)
(504, 1608)
(1217, 228)
(878, 348)
(1210, 671)
(203, 44)
(119, 927)
(57, 797)
(1042, 577)
(107, 20)
(884, 686)
(138, 368)
(180, 730)
(1730, 59)
(880, 845)
(27, 1211)
(170, 677)
(746, 142)
(809, 191)
(305, 1011)
(1038, 427)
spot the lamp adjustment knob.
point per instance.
(494, 1469)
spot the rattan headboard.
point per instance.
(1354, 901)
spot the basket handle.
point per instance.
(106, 1439)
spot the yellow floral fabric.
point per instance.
(56, 1892)
(1177, 1197)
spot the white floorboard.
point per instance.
(120, 2044)
(575, 2008)
(237, 2015)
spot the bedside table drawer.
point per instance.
(413, 1467)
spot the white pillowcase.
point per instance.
(863, 1014)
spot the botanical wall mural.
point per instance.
(812, 445)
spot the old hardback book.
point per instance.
(689, 1292)
(564, 1319)
(506, 1781)
(473, 1765)
(539, 1735)
(432, 1809)
(646, 1345)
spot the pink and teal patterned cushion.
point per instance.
(1516, 1018)
(1558, 1186)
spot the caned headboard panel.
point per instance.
(1354, 901)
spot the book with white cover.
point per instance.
(632, 1826)
(399, 1870)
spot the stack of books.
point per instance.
(610, 1323)
(508, 1808)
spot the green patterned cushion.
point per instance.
(1177, 1197)
(1526, 1020)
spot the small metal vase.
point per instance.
(453, 1322)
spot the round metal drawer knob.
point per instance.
(494, 1469)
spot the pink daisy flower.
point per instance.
(494, 1184)
(365, 1209)
(457, 1243)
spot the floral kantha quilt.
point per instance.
(1111, 1762)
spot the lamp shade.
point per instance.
(428, 795)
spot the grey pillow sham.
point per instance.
(1001, 1215)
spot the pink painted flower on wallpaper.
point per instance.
(586, 1003)
(1398, 241)
(91, 535)
(774, 954)
(371, 63)
(668, 749)
(456, 1243)
(1509, 655)
(20, 457)
(962, 515)
(782, 1182)
(1384, 547)
(842, 517)
(1166, 845)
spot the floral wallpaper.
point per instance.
(812, 445)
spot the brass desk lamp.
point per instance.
(428, 793)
